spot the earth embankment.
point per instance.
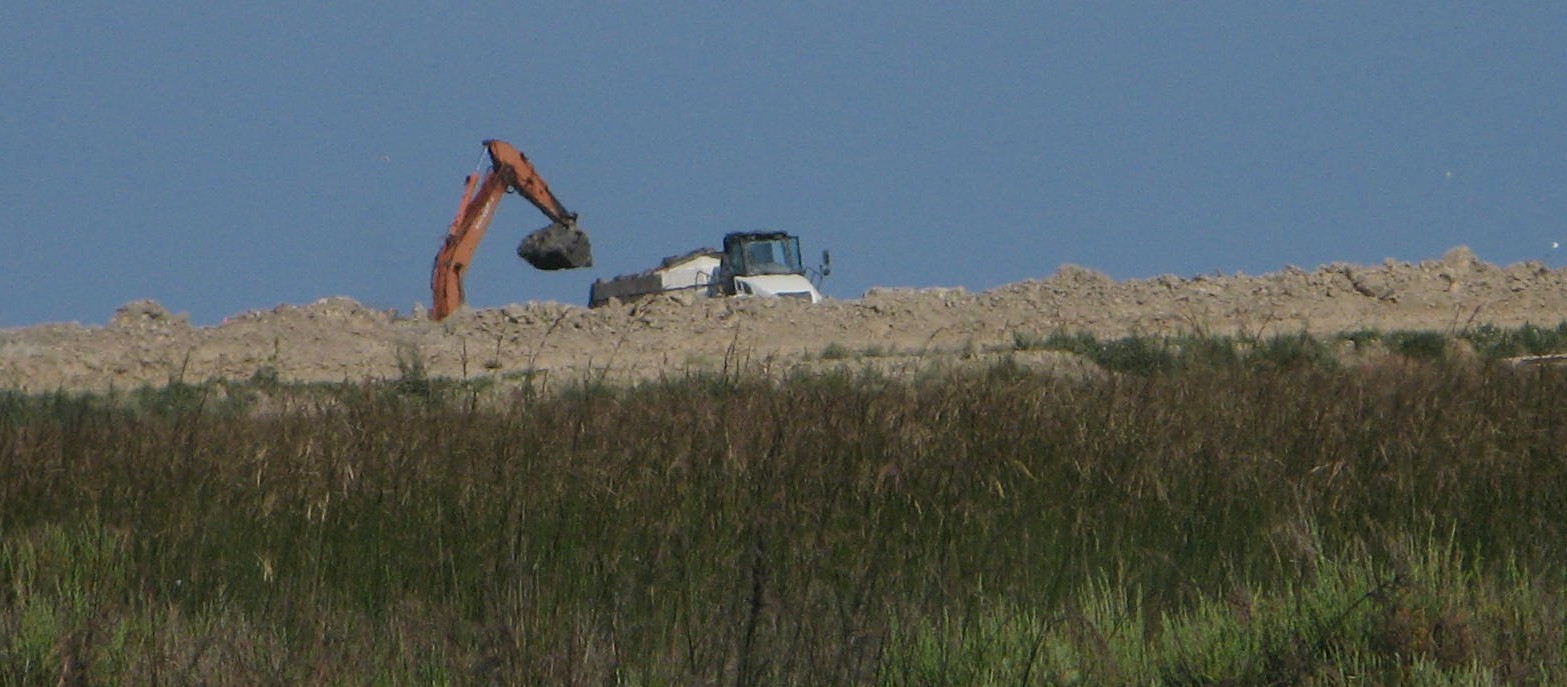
(338, 339)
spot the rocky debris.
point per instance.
(145, 314)
(896, 329)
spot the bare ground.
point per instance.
(338, 339)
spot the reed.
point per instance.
(1267, 517)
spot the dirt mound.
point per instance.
(338, 339)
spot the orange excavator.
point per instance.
(561, 245)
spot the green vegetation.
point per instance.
(1223, 512)
(1495, 342)
(1143, 355)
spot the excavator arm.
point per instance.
(518, 173)
(559, 246)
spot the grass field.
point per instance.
(1213, 512)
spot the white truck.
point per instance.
(762, 264)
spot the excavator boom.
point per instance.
(558, 246)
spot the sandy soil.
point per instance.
(338, 339)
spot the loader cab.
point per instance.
(764, 264)
(756, 254)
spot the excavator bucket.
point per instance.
(557, 247)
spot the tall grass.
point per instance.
(1304, 523)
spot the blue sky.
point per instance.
(228, 157)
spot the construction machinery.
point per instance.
(561, 245)
(763, 264)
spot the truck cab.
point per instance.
(763, 264)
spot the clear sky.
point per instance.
(225, 157)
